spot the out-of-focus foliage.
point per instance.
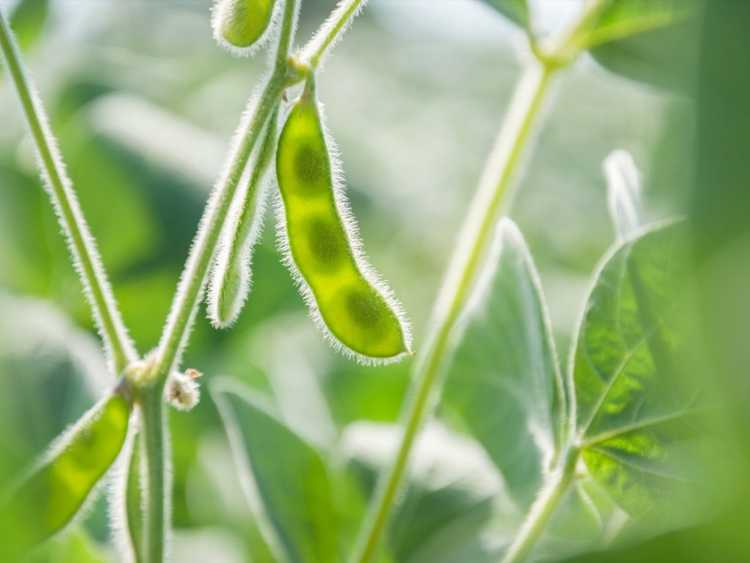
(516, 10)
(637, 416)
(287, 482)
(649, 40)
(144, 105)
(505, 380)
(28, 19)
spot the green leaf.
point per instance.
(57, 488)
(288, 485)
(453, 492)
(73, 547)
(504, 380)
(648, 40)
(635, 416)
(515, 10)
(27, 21)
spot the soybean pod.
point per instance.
(319, 239)
(242, 25)
(54, 492)
(231, 275)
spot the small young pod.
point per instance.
(242, 25)
(231, 275)
(319, 238)
(50, 497)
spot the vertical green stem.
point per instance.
(478, 227)
(543, 508)
(154, 478)
(85, 255)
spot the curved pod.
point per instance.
(54, 492)
(353, 306)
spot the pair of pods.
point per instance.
(319, 241)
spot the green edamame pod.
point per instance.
(241, 25)
(351, 303)
(126, 503)
(231, 275)
(50, 497)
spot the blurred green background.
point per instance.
(144, 104)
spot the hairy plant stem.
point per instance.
(543, 508)
(154, 479)
(191, 289)
(120, 348)
(493, 192)
(315, 50)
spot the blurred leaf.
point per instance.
(73, 547)
(27, 21)
(98, 167)
(57, 488)
(647, 40)
(453, 492)
(287, 483)
(50, 371)
(624, 18)
(633, 413)
(504, 379)
(515, 10)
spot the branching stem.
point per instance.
(193, 281)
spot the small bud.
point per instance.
(242, 25)
(182, 390)
(140, 372)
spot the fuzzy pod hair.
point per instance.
(244, 27)
(350, 230)
(230, 280)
